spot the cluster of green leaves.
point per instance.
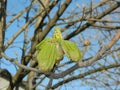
(52, 50)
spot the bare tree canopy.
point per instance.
(94, 25)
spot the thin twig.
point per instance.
(15, 61)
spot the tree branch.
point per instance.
(85, 74)
(20, 13)
(3, 5)
(89, 23)
(15, 61)
(107, 27)
(20, 31)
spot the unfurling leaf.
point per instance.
(47, 56)
(71, 50)
(42, 43)
(51, 51)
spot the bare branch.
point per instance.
(107, 27)
(18, 64)
(20, 31)
(85, 74)
(19, 14)
(89, 23)
(45, 8)
(3, 5)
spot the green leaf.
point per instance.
(43, 42)
(71, 50)
(47, 56)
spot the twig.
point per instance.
(19, 14)
(85, 74)
(15, 61)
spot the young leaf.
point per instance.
(42, 43)
(47, 56)
(71, 50)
